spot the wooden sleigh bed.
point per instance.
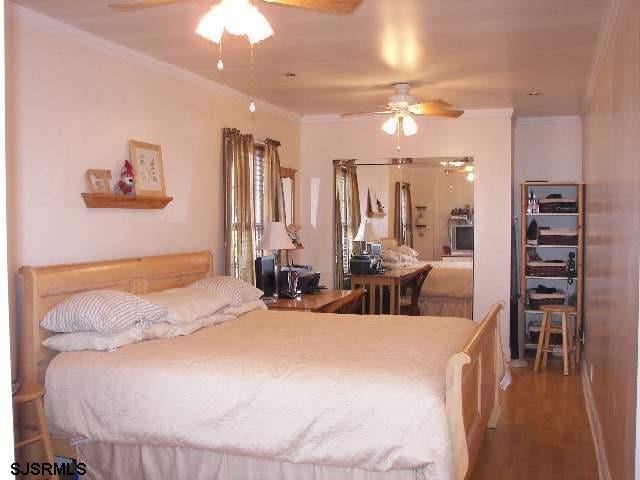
(472, 375)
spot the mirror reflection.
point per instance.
(404, 231)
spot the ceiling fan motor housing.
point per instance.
(401, 99)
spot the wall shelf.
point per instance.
(102, 200)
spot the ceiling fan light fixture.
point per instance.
(390, 125)
(409, 126)
(238, 17)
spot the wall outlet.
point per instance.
(591, 373)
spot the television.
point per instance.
(461, 239)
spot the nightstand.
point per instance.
(325, 301)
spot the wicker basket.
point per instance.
(558, 205)
(537, 300)
(546, 269)
(557, 237)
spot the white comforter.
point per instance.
(449, 279)
(342, 390)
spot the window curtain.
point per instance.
(238, 204)
(403, 216)
(347, 218)
(273, 205)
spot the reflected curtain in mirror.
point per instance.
(273, 205)
(403, 216)
(347, 219)
(238, 204)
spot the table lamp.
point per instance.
(276, 238)
(366, 234)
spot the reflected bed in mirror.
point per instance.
(393, 216)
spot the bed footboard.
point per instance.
(473, 377)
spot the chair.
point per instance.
(32, 393)
(409, 303)
(547, 328)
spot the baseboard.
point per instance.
(594, 423)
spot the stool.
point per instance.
(34, 393)
(547, 328)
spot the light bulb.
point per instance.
(470, 177)
(409, 126)
(390, 125)
(220, 65)
(252, 106)
(238, 17)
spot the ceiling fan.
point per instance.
(402, 106)
(329, 6)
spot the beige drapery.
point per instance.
(347, 217)
(273, 203)
(403, 216)
(238, 204)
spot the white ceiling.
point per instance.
(471, 53)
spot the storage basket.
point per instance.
(537, 300)
(558, 205)
(546, 269)
(557, 236)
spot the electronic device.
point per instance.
(308, 281)
(461, 238)
(266, 274)
(365, 264)
(375, 249)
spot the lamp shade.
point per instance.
(366, 233)
(275, 237)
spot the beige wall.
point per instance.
(612, 143)
(487, 138)
(72, 106)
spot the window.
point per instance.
(344, 193)
(258, 194)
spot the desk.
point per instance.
(393, 279)
(323, 301)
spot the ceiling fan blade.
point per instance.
(387, 112)
(140, 4)
(432, 110)
(441, 103)
(331, 6)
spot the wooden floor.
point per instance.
(543, 433)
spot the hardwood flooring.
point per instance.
(543, 432)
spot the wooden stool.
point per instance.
(34, 393)
(546, 329)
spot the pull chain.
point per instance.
(252, 79)
(220, 63)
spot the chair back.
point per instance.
(417, 286)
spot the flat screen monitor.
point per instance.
(462, 239)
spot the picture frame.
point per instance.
(146, 159)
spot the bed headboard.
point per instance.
(44, 287)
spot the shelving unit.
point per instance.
(529, 317)
(102, 200)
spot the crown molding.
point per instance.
(336, 118)
(560, 119)
(604, 41)
(70, 33)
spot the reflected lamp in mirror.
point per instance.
(366, 235)
(276, 238)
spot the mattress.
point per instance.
(349, 391)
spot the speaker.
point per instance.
(266, 274)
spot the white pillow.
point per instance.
(186, 305)
(245, 307)
(239, 290)
(70, 342)
(100, 311)
(407, 250)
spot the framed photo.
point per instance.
(147, 165)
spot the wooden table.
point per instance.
(392, 279)
(323, 301)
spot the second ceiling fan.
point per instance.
(402, 106)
